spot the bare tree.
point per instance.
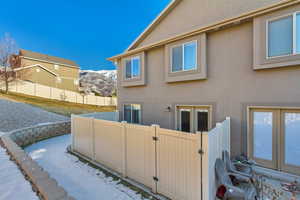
(8, 48)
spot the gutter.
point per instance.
(212, 27)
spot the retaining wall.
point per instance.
(45, 186)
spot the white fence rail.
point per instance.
(214, 143)
(34, 89)
(167, 161)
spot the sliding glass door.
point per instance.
(274, 137)
(290, 129)
(263, 137)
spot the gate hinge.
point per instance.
(155, 178)
(155, 138)
(201, 152)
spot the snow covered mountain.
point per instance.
(102, 82)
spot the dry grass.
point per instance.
(55, 106)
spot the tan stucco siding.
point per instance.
(232, 85)
(61, 71)
(190, 15)
(39, 75)
(67, 75)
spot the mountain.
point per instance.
(102, 82)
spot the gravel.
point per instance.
(15, 115)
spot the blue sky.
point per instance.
(86, 31)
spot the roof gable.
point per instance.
(36, 65)
(188, 15)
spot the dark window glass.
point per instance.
(185, 121)
(202, 121)
(177, 59)
(127, 113)
(136, 113)
(128, 69)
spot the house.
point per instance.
(48, 70)
(202, 60)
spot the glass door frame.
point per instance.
(273, 164)
(284, 166)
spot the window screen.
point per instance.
(280, 37)
(185, 121)
(127, 113)
(202, 121)
(136, 113)
(128, 69)
(177, 59)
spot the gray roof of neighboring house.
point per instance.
(47, 58)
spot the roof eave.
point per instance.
(214, 26)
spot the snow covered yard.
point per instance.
(79, 179)
(13, 185)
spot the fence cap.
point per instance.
(155, 125)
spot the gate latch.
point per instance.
(155, 178)
(155, 138)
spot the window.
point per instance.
(274, 138)
(132, 113)
(185, 120)
(283, 36)
(193, 119)
(58, 80)
(133, 68)
(56, 67)
(184, 57)
(76, 82)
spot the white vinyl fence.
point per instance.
(167, 161)
(34, 89)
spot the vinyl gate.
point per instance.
(178, 165)
(164, 160)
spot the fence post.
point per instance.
(34, 89)
(93, 138)
(205, 165)
(219, 139)
(50, 92)
(228, 134)
(124, 143)
(155, 150)
(72, 132)
(16, 85)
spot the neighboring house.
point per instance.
(203, 60)
(48, 70)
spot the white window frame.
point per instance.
(183, 57)
(131, 106)
(193, 110)
(58, 80)
(131, 67)
(56, 67)
(294, 47)
(76, 82)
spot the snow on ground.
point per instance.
(78, 179)
(13, 185)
